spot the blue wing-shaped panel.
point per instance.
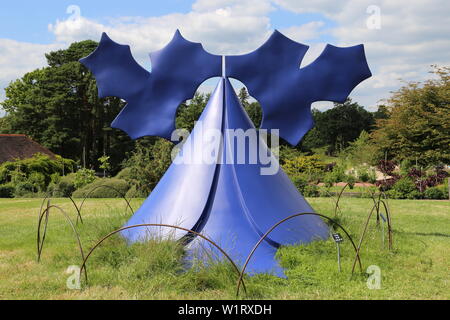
(273, 76)
(153, 98)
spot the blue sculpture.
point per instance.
(230, 202)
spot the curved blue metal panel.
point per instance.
(153, 98)
(182, 193)
(268, 198)
(273, 76)
(231, 203)
(247, 204)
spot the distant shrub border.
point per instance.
(100, 189)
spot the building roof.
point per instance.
(19, 146)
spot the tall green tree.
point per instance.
(253, 109)
(58, 106)
(338, 126)
(189, 112)
(418, 126)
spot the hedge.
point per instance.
(103, 188)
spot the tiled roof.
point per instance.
(19, 146)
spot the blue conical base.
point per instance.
(232, 204)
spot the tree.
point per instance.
(243, 96)
(338, 126)
(253, 109)
(381, 113)
(104, 164)
(148, 163)
(418, 127)
(189, 113)
(58, 106)
(362, 151)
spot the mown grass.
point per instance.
(417, 268)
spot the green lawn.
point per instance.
(417, 268)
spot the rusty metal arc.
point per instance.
(389, 223)
(241, 276)
(49, 196)
(336, 204)
(362, 235)
(83, 266)
(40, 243)
(107, 187)
(339, 199)
(377, 207)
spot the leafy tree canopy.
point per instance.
(418, 126)
(58, 107)
(338, 126)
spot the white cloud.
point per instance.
(18, 58)
(223, 27)
(307, 31)
(413, 35)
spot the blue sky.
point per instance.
(28, 21)
(407, 37)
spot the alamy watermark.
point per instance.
(75, 16)
(231, 146)
(374, 20)
(73, 281)
(374, 279)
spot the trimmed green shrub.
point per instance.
(309, 166)
(437, 193)
(125, 174)
(7, 190)
(335, 176)
(311, 191)
(366, 175)
(24, 189)
(416, 194)
(133, 192)
(363, 175)
(404, 188)
(103, 188)
(300, 182)
(64, 187)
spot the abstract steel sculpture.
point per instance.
(230, 202)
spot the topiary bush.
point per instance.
(366, 175)
(103, 188)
